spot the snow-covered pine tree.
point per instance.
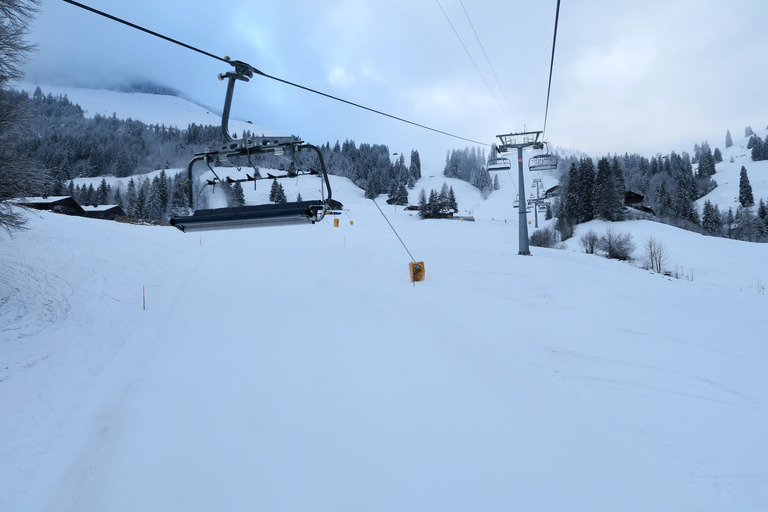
(711, 220)
(423, 208)
(607, 201)
(728, 139)
(238, 196)
(745, 189)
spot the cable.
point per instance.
(471, 59)
(486, 58)
(551, 66)
(394, 230)
(265, 75)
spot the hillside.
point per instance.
(726, 195)
(148, 108)
(297, 368)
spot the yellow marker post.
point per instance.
(417, 271)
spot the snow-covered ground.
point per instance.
(297, 368)
(727, 174)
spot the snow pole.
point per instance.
(143, 297)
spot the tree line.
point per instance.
(670, 184)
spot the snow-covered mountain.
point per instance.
(726, 195)
(297, 368)
(159, 109)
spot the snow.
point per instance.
(726, 195)
(298, 368)
(150, 109)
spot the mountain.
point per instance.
(298, 368)
(159, 109)
(726, 195)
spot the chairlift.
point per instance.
(544, 162)
(499, 164)
(271, 214)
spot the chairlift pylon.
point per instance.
(543, 162)
(271, 214)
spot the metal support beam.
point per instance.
(521, 141)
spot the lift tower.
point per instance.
(520, 141)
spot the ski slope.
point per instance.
(297, 368)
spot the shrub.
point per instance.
(617, 246)
(546, 237)
(589, 242)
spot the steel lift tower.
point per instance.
(520, 141)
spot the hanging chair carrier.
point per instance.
(271, 214)
(499, 164)
(544, 162)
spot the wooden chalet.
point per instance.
(57, 204)
(103, 211)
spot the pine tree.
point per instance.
(585, 191)
(607, 202)
(745, 189)
(748, 131)
(717, 155)
(273, 190)
(706, 161)
(238, 196)
(728, 139)
(280, 196)
(423, 205)
(711, 220)
(154, 206)
(496, 185)
(140, 210)
(130, 198)
(415, 166)
(102, 193)
(452, 205)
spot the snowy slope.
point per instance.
(297, 368)
(726, 195)
(147, 108)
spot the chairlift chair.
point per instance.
(544, 162)
(499, 164)
(271, 214)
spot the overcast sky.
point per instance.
(646, 76)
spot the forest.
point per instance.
(68, 145)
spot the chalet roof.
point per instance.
(99, 207)
(41, 200)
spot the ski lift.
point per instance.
(298, 212)
(516, 204)
(499, 164)
(544, 162)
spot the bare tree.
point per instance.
(17, 175)
(589, 242)
(655, 255)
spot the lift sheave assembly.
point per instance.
(271, 214)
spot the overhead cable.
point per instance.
(471, 59)
(265, 75)
(486, 58)
(551, 66)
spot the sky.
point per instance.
(646, 77)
